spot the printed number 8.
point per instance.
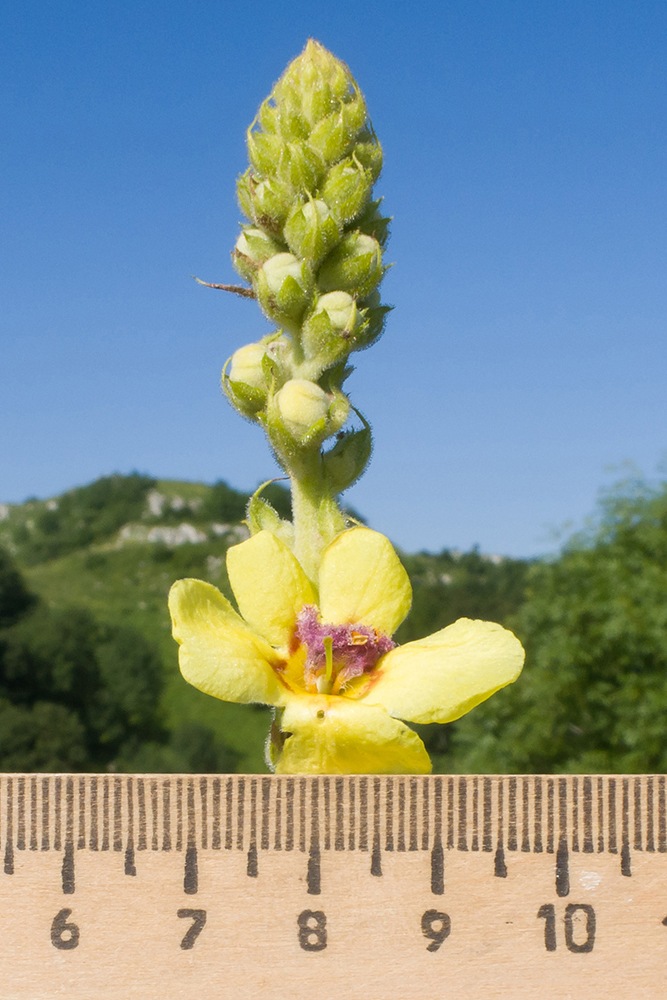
(312, 925)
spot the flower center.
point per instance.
(335, 654)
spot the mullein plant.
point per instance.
(320, 597)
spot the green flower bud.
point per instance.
(263, 517)
(266, 202)
(348, 459)
(245, 384)
(264, 151)
(252, 248)
(354, 266)
(284, 288)
(373, 223)
(268, 117)
(311, 231)
(329, 332)
(369, 153)
(332, 137)
(247, 366)
(339, 411)
(315, 82)
(299, 166)
(347, 189)
(302, 405)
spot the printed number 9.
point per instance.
(436, 934)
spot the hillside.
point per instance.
(116, 545)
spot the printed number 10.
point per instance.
(547, 912)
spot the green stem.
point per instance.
(316, 515)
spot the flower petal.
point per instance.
(219, 654)
(269, 585)
(440, 678)
(362, 580)
(334, 735)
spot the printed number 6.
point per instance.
(60, 927)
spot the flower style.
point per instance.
(326, 660)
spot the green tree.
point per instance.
(593, 695)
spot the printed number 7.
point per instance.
(198, 918)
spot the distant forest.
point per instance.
(88, 670)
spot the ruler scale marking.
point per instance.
(414, 829)
(437, 852)
(562, 855)
(525, 816)
(376, 858)
(20, 826)
(499, 864)
(313, 877)
(45, 815)
(400, 841)
(625, 834)
(511, 830)
(9, 834)
(463, 815)
(363, 815)
(537, 836)
(650, 817)
(130, 865)
(289, 833)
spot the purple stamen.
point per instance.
(356, 648)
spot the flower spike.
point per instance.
(321, 596)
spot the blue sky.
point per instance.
(525, 151)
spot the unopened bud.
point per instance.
(354, 266)
(264, 151)
(347, 189)
(252, 249)
(328, 333)
(283, 286)
(302, 405)
(299, 166)
(245, 383)
(266, 202)
(247, 366)
(315, 82)
(369, 155)
(348, 459)
(311, 231)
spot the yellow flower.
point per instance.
(339, 683)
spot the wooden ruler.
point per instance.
(381, 888)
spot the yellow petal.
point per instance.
(269, 585)
(334, 735)
(440, 678)
(362, 580)
(219, 654)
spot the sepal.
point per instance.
(354, 266)
(284, 288)
(346, 462)
(347, 188)
(311, 231)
